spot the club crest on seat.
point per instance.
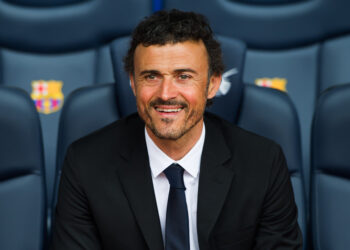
(47, 96)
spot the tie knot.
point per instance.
(174, 173)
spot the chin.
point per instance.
(166, 133)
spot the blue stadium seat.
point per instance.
(272, 24)
(331, 170)
(51, 48)
(86, 110)
(22, 175)
(335, 58)
(244, 105)
(271, 113)
(125, 97)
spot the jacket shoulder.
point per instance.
(239, 138)
(111, 137)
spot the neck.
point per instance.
(177, 149)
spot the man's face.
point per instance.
(171, 86)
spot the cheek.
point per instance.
(144, 95)
(195, 96)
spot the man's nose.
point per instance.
(168, 89)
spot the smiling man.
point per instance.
(171, 85)
(172, 176)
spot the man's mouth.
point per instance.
(168, 110)
(169, 107)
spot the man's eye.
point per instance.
(151, 77)
(184, 77)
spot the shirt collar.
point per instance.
(159, 161)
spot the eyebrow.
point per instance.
(145, 72)
(185, 70)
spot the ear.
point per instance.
(214, 85)
(132, 83)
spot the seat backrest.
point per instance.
(51, 48)
(330, 203)
(271, 113)
(229, 97)
(86, 110)
(334, 59)
(59, 26)
(295, 72)
(272, 24)
(22, 175)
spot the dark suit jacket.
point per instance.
(106, 197)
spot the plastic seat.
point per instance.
(22, 175)
(272, 24)
(51, 48)
(330, 203)
(271, 113)
(335, 56)
(86, 110)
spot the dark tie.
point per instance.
(176, 227)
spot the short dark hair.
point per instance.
(175, 26)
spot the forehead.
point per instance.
(188, 54)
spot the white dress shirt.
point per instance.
(159, 161)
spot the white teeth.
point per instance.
(168, 110)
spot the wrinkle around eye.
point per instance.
(151, 77)
(184, 77)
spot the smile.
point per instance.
(171, 110)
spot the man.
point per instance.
(171, 177)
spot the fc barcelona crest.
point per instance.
(47, 96)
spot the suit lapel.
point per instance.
(135, 176)
(214, 182)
